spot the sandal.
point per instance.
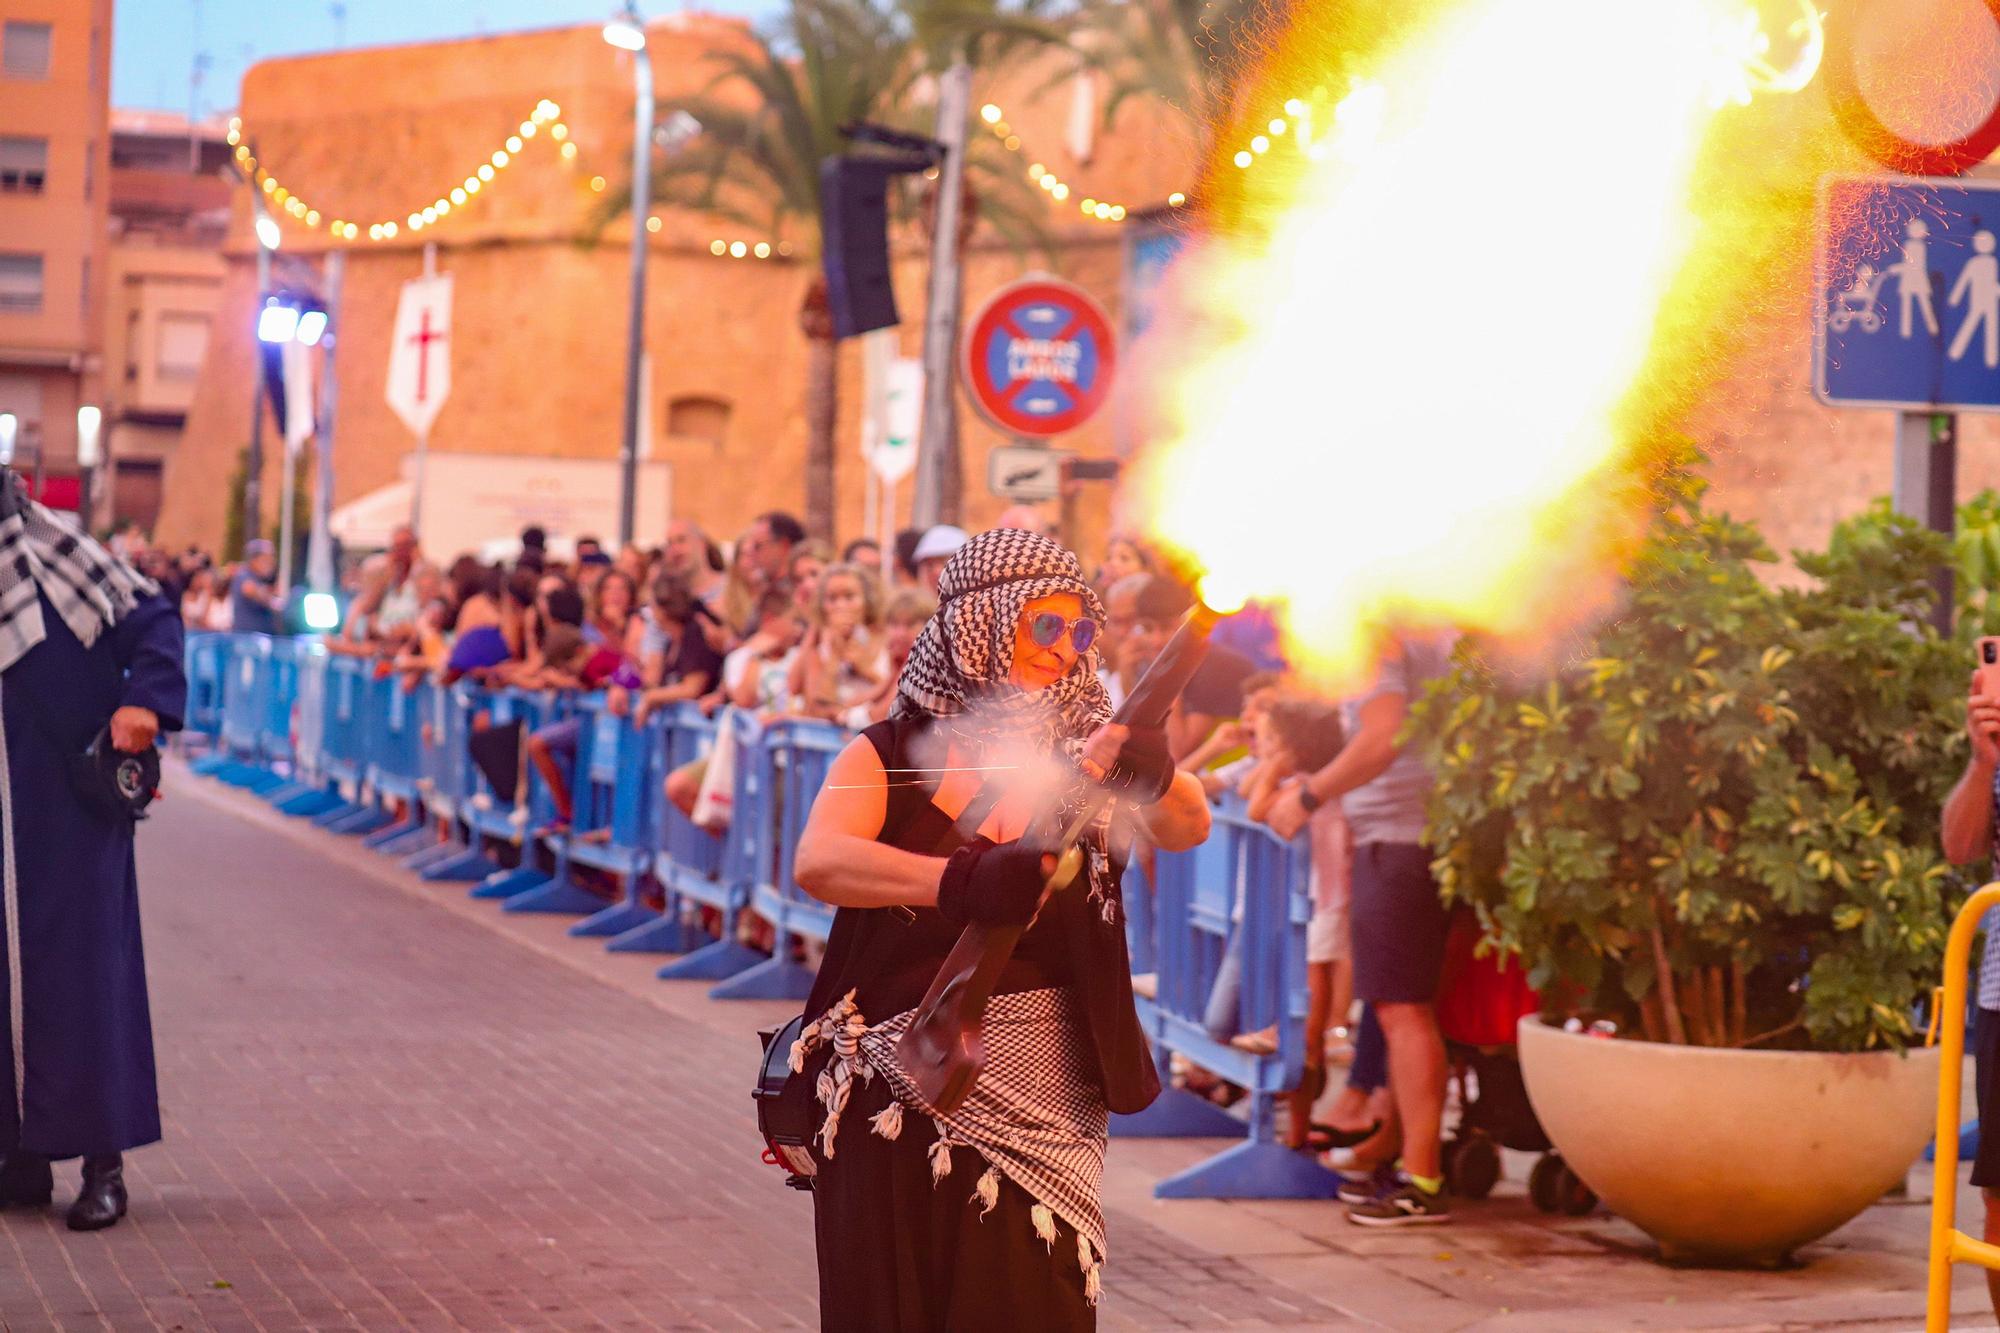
(1326, 1138)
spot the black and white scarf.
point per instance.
(959, 670)
(90, 588)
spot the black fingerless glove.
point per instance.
(1144, 769)
(992, 884)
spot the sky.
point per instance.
(155, 42)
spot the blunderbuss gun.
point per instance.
(943, 1048)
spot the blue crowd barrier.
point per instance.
(1244, 890)
(207, 659)
(791, 759)
(379, 745)
(686, 860)
(744, 848)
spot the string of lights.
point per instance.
(286, 200)
(543, 120)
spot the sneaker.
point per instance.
(1358, 1187)
(1408, 1205)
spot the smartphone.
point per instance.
(1986, 653)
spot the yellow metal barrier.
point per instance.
(1949, 1245)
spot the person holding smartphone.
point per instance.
(1967, 830)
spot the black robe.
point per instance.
(82, 1080)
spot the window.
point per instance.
(181, 344)
(83, 296)
(697, 418)
(20, 284)
(24, 164)
(24, 49)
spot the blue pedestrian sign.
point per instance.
(1909, 294)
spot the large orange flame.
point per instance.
(1400, 379)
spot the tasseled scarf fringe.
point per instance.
(841, 1028)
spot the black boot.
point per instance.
(25, 1180)
(101, 1202)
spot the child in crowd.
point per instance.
(569, 662)
(676, 661)
(843, 661)
(613, 620)
(754, 677)
(1230, 737)
(908, 610)
(1299, 737)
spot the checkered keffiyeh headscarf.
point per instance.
(962, 660)
(90, 588)
(959, 670)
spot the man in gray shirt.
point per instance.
(1397, 918)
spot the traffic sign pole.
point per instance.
(1926, 488)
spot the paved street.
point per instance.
(390, 1107)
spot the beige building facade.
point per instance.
(171, 184)
(55, 158)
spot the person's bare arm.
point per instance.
(1180, 819)
(1226, 737)
(839, 860)
(1966, 827)
(1264, 786)
(1367, 756)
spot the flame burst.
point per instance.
(1400, 375)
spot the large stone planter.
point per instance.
(1729, 1157)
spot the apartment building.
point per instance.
(55, 154)
(170, 198)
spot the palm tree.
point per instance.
(1191, 55)
(770, 116)
(774, 111)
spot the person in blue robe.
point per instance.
(86, 644)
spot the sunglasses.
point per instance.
(1047, 628)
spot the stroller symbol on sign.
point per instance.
(1856, 305)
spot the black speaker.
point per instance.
(854, 234)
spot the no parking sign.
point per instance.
(1038, 357)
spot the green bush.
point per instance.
(1720, 827)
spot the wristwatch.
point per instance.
(1307, 799)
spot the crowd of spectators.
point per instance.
(781, 626)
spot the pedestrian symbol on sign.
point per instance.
(1889, 249)
(1978, 286)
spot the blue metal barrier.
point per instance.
(746, 850)
(511, 817)
(206, 658)
(617, 792)
(608, 752)
(686, 860)
(793, 760)
(443, 788)
(395, 762)
(245, 702)
(1195, 898)
(343, 762)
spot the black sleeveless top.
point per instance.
(889, 957)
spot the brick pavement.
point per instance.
(390, 1107)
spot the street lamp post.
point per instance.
(626, 32)
(89, 454)
(936, 496)
(268, 237)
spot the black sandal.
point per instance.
(1325, 1138)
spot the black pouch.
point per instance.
(113, 784)
(785, 1106)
